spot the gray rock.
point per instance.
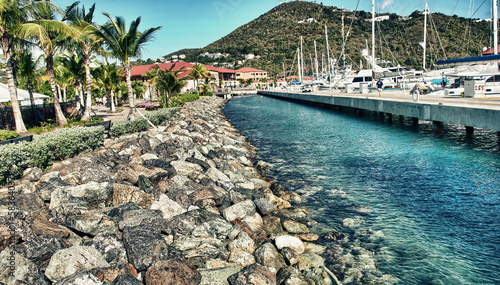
(185, 168)
(153, 218)
(126, 173)
(254, 274)
(145, 184)
(272, 225)
(66, 262)
(242, 243)
(239, 211)
(39, 249)
(269, 256)
(32, 174)
(217, 275)
(145, 246)
(117, 213)
(185, 223)
(295, 227)
(25, 204)
(91, 222)
(317, 275)
(96, 195)
(290, 276)
(126, 280)
(111, 248)
(12, 231)
(18, 270)
(168, 207)
(264, 206)
(309, 259)
(290, 255)
(217, 228)
(80, 278)
(52, 184)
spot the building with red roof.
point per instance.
(139, 71)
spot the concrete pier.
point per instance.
(472, 113)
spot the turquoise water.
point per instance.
(429, 202)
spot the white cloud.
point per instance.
(386, 4)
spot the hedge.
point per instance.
(45, 149)
(65, 143)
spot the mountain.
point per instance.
(275, 37)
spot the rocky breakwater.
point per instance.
(185, 203)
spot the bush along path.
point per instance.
(182, 204)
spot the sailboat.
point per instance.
(477, 76)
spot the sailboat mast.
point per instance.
(301, 59)
(495, 25)
(316, 59)
(327, 52)
(373, 35)
(426, 11)
(298, 64)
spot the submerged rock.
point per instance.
(254, 274)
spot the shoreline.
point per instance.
(189, 196)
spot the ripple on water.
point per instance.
(424, 207)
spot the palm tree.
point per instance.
(12, 16)
(138, 88)
(51, 36)
(168, 82)
(198, 71)
(88, 42)
(206, 86)
(72, 66)
(28, 72)
(108, 76)
(124, 45)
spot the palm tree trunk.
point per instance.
(64, 94)
(88, 105)
(112, 102)
(16, 110)
(60, 119)
(59, 92)
(82, 95)
(132, 112)
(77, 99)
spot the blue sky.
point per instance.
(197, 23)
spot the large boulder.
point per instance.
(39, 249)
(172, 272)
(294, 227)
(145, 246)
(168, 207)
(15, 269)
(66, 262)
(153, 218)
(217, 275)
(269, 256)
(91, 222)
(291, 242)
(254, 274)
(126, 193)
(185, 223)
(110, 247)
(126, 280)
(239, 210)
(80, 278)
(95, 195)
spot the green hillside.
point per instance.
(275, 36)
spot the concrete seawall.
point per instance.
(453, 111)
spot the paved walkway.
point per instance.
(398, 95)
(102, 111)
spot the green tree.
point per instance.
(51, 36)
(138, 88)
(108, 76)
(72, 66)
(88, 42)
(198, 71)
(13, 16)
(206, 86)
(124, 45)
(168, 84)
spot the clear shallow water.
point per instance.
(431, 202)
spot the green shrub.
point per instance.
(140, 124)
(184, 98)
(46, 148)
(5, 135)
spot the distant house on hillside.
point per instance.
(249, 56)
(309, 20)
